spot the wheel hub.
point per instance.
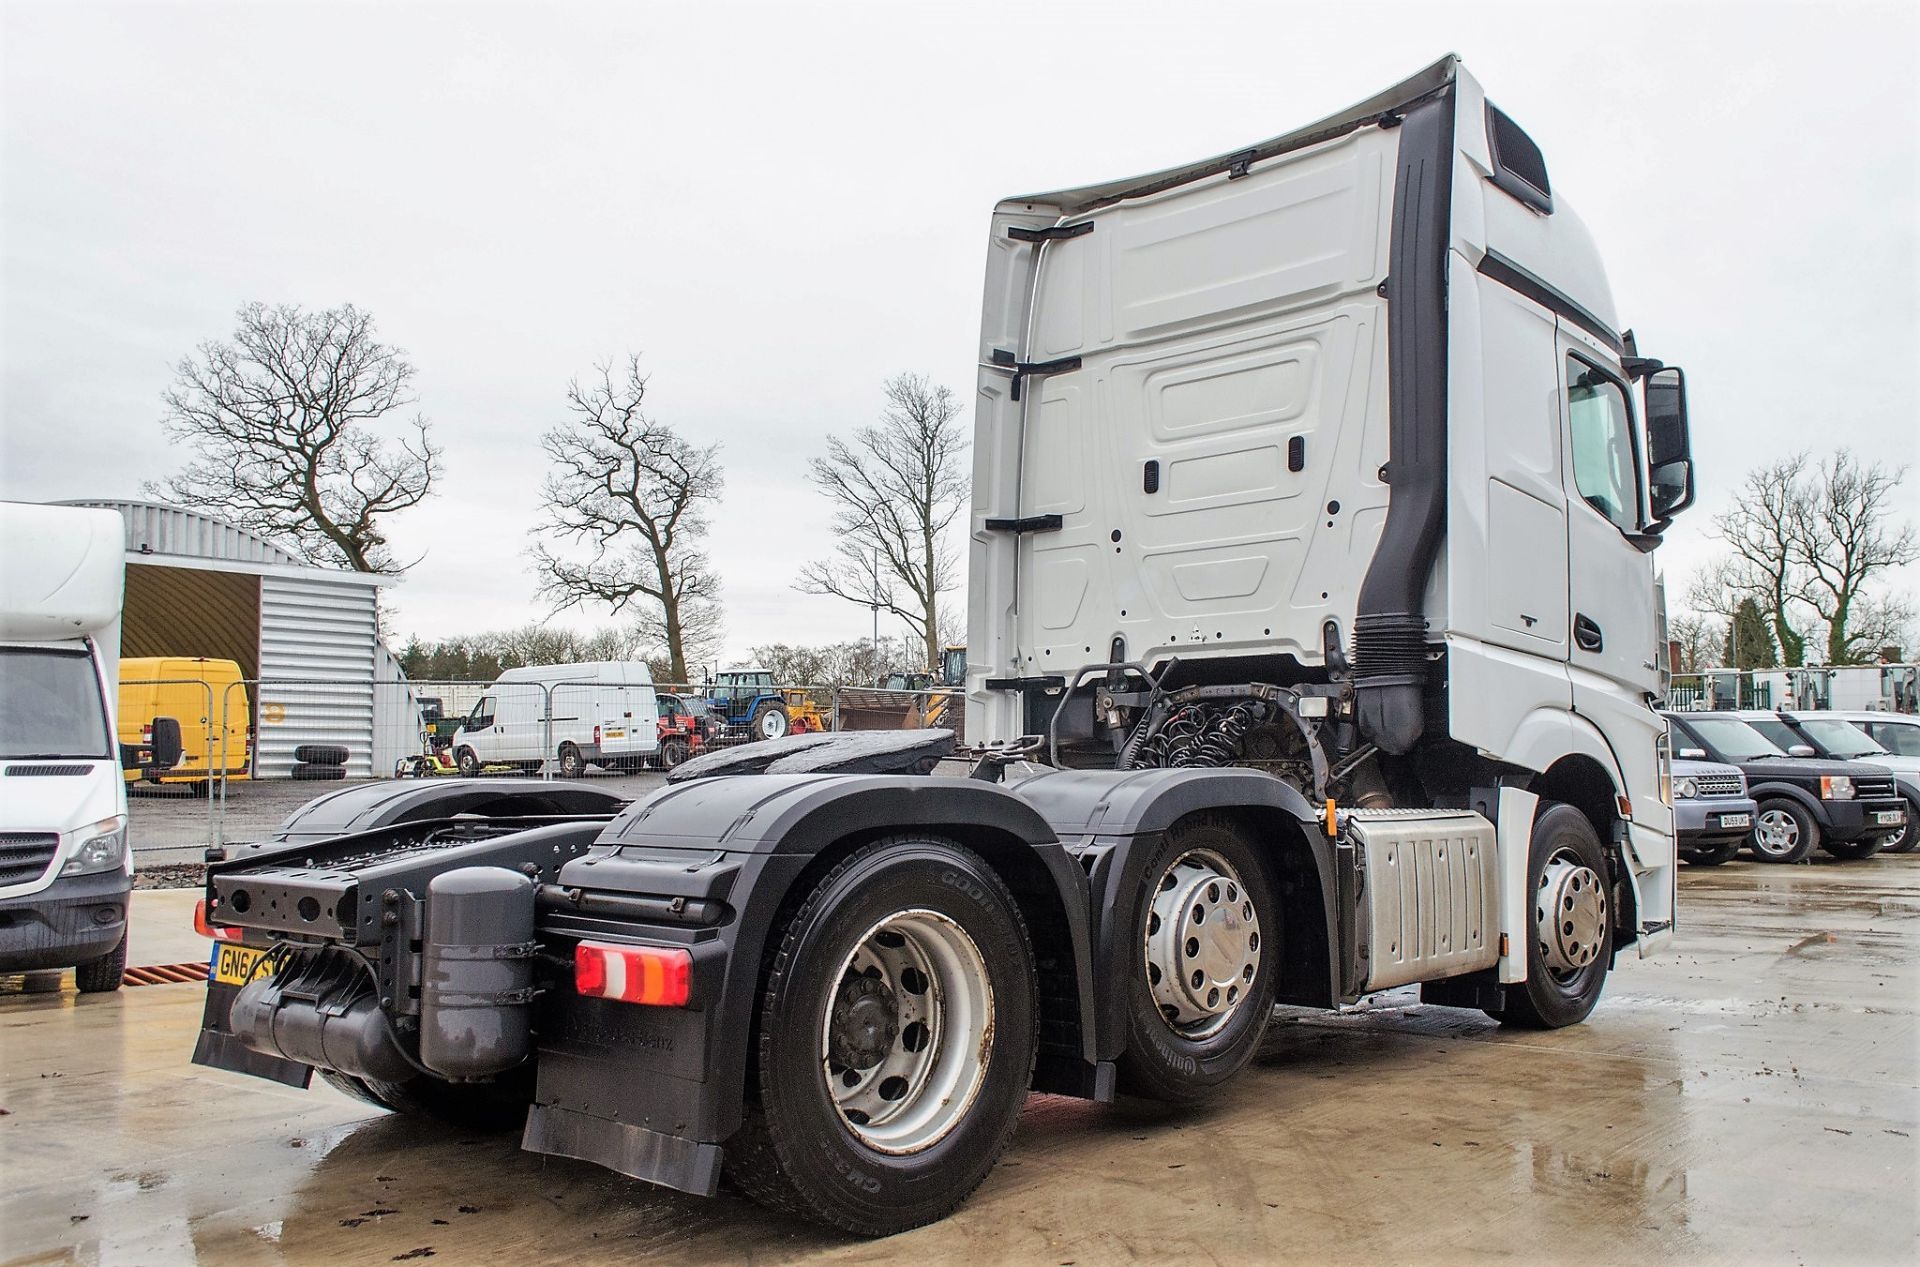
(865, 1021)
(1778, 832)
(1203, 944)
(908, 1032)
(1570, 914)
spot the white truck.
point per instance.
(65, 868)
(1312, 642)
(602, 712)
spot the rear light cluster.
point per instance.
(653, 975)
(205, 929)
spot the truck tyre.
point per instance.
(1205, 964)
(103, 975)
(770, 721)
(321, 754)
(1907, 837)
(572, 764)
(1783, 831)
(1853, 850)
(500, 1105)
(1572, 943)
(895, 1040)
(672, 752)
(310, 773)
(469, 763)
(1712, 855)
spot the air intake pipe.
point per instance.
(1389, 629)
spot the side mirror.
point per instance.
(1802, 750)
(167, 745)
(1692, 754)
(1669, 449)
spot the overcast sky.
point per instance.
(780, 206)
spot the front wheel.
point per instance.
(1206, 937)
(895, 1040)
(1906, 838)
(1783, 831)
(1713, 855)
(469, 763)
(672, 753)
(1572, 943)
(103, 975)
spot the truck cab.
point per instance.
(66, 871)
(1331, 456)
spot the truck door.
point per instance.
(1202, 474)
(1613, 662)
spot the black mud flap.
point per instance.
(217, 1048)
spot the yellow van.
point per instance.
(194, 691)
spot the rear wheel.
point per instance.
(572, 764)
(103, 975)
(895, 1040)
(1206, 937)
(1712, 855)
(770, 721)
(1572, 943)
(1783, 831)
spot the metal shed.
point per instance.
(308, 636)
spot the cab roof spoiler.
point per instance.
(1395, 101)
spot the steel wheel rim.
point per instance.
(1202, 944)
(906, 1039)
(1778, 833)
(1570, 915)
(772, 725)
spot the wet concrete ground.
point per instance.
(1750, 1097)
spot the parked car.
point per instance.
(603, 713)
(1895, 744)
(1845, 807)
(1712, 813)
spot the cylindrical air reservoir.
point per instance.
(476, 988)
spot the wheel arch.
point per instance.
(1592, 786)
(1799, 795)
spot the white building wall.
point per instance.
(318, 643)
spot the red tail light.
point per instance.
(652, 975)
(596, 736)
(201, 926)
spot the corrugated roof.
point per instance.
(156, 529)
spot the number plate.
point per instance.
(1891, 817)
(1736, 820)
(236, 965)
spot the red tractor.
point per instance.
(683, 731)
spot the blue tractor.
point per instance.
(746, 703)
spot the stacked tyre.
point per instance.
(319, 762)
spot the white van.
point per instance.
(65, 869)
(603, 713)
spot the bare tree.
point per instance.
(281, 422)
(1842, 540)
(1759, 530)
(633, 495)
(1699, 640)
(896, 489)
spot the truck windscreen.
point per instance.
(50, 706)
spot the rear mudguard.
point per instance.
(655, 1092)
(652, 1092)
